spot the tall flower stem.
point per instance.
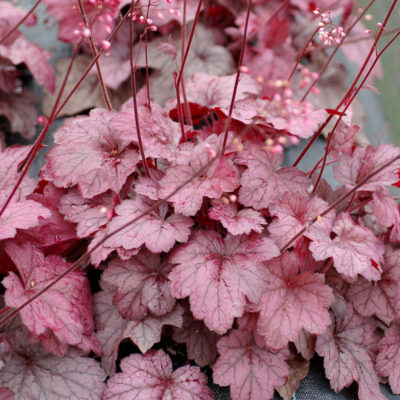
(179, 77)
(240, 63)
(95, 52)
(337, 202)
(337, 47)
(10, 32)
(133, 85)
(352, 86)
(330, 136)
(25, 165)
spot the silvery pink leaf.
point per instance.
(292, 302)
(150, 376)
(387, 362)
(90, 154)
(39, 375)
(112, 328)
(348, 347)
(251, 371)
(352, 249)
(200, 341)
(65, 310)
(236, 222)
(263, 181)
(382, 297)
(219, 274)
(142, 285)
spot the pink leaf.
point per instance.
(70, 17)
(352, 169)
(35, 58)
(89, 214)
(150, 376)
(385, 208)
(6, 394)
(20, 213)
(160, 135)
(295, 211)
(218, 274)
(220, 176)
(216, 91)
(156, 230)
(112, 328)
(10, 158)
(142, 285)
(149, 186)
(19, 50)
(264, 182)
(348, 349)
(303, 125)
(292, 117)
(200, 341)
(251, 371)
(64, 310)
(36, 375)
(90, 154)
(236, 222)
(20, 110)
(352, 249)
(53, 235)
(11, 15)
(343, 140)
(292, 302)
(387, 362)
(146, 332)
(381, 298)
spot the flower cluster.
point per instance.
(328, 32)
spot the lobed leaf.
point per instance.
(150, 376)
(251, 371)
(218, 274)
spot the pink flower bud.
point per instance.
(42, 120)
(86, 32)
(105, 44)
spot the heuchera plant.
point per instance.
(165, 222)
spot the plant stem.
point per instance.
(328, 142)
(337, 202)
(354, 40)
(242, 50)
(350, 90)
(277, 11)
(86, 257)
(302, 54)
(133, 84)
(25, 165)
(181, 70)
(106, 97)
(9, 33)
(337, 47)
(146, 55)
(183, 41)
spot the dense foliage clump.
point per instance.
(167, 219)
